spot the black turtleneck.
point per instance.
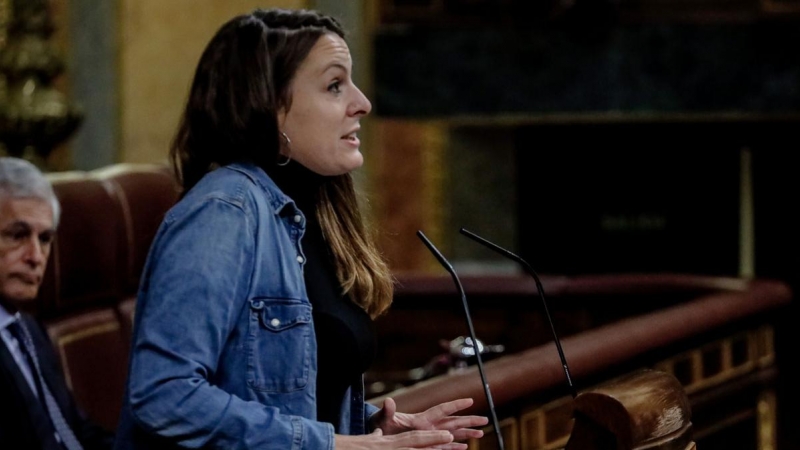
(345, 333)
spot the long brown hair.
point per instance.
(241, 82)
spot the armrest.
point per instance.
(644, 409)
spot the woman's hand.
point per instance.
(428, 439)
(439, 417)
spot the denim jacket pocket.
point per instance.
(280, 340)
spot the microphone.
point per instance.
(539, 287)
(486, 390)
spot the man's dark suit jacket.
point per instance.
(24, 423)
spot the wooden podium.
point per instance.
(646, 409)
(638, 346)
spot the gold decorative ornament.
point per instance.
(34, 116)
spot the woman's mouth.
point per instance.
(352, 138)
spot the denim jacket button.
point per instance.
(297, 218)
(300, 259)
(275, 322)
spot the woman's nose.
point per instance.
(361, 105)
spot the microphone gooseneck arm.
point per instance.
(486, 390)
(539, 288)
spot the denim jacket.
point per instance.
(224, 351)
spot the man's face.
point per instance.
(26, 235)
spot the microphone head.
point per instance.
(442, 260)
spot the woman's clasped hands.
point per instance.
(434, 428)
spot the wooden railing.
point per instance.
(717, 343)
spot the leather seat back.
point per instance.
(87, 299)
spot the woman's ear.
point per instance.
(281, 116)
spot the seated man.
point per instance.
(37, 410)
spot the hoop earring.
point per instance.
(288, 147)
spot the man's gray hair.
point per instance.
(21, 179)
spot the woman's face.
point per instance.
(322, 120)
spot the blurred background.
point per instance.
(587, 135)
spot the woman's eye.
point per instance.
(335, 87)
